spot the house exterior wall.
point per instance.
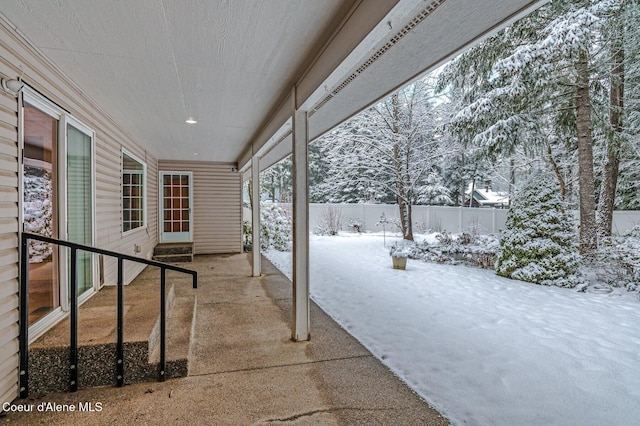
(217, 204)
(19, 58)
(8, 245)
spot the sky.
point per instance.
(483, 349)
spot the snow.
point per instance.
(483, 349)
(490, 197)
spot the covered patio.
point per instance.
(243, 367)
(203, 96)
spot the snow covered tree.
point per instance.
(318, 172)
(541, 84)
(348, 179)
(537, 244)
(629, 185)
(392, 149)
(276, 181)
(624, 115)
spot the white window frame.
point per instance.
(144, 193)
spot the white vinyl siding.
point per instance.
(18, 57)
(217, 215)
(9, 196)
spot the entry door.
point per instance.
(176, 217)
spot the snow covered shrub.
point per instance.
(537, 243)
(445, 238)
(356, 224)
(475, 228)
(619, 260)
(450, 248)
(402, 248)
(466, 238)
(330, 221)
(275, 228)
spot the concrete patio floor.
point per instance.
(244, 368)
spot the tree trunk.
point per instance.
(588, 228)
(408, 188)
(558, 173)
(512, 180)
(403, 206)
(462, 182)
(607, 198)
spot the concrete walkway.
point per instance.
(244, 369)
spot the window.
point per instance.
(133, 192)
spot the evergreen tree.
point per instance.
(553, 82)
(318, 172)
(276, 181)
(537, 243)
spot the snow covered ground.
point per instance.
(482, 349)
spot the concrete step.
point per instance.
(49, 355)
(180, 325)
(173, 252)
(173, 248)
(173, 258)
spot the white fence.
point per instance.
(435, 218)
(439, 218)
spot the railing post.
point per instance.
(163, 323)
(24, 317)
(73, 321)
(73, 317)
(120, 328)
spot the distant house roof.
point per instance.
(488, 198)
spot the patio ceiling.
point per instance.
(230, 65)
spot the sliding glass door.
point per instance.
(57, 202)
(80, 201)
(40, 209)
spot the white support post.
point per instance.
(256, 267)
(300, 326)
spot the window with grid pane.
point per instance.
(133, 193)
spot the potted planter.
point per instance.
(399, 262)
(399, 254)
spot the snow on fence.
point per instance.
(435, 218)
(439, 218)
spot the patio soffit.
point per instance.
(230, 65)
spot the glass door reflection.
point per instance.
(40, 209)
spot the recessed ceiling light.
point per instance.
(191, 120)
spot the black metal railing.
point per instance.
(73, 315)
